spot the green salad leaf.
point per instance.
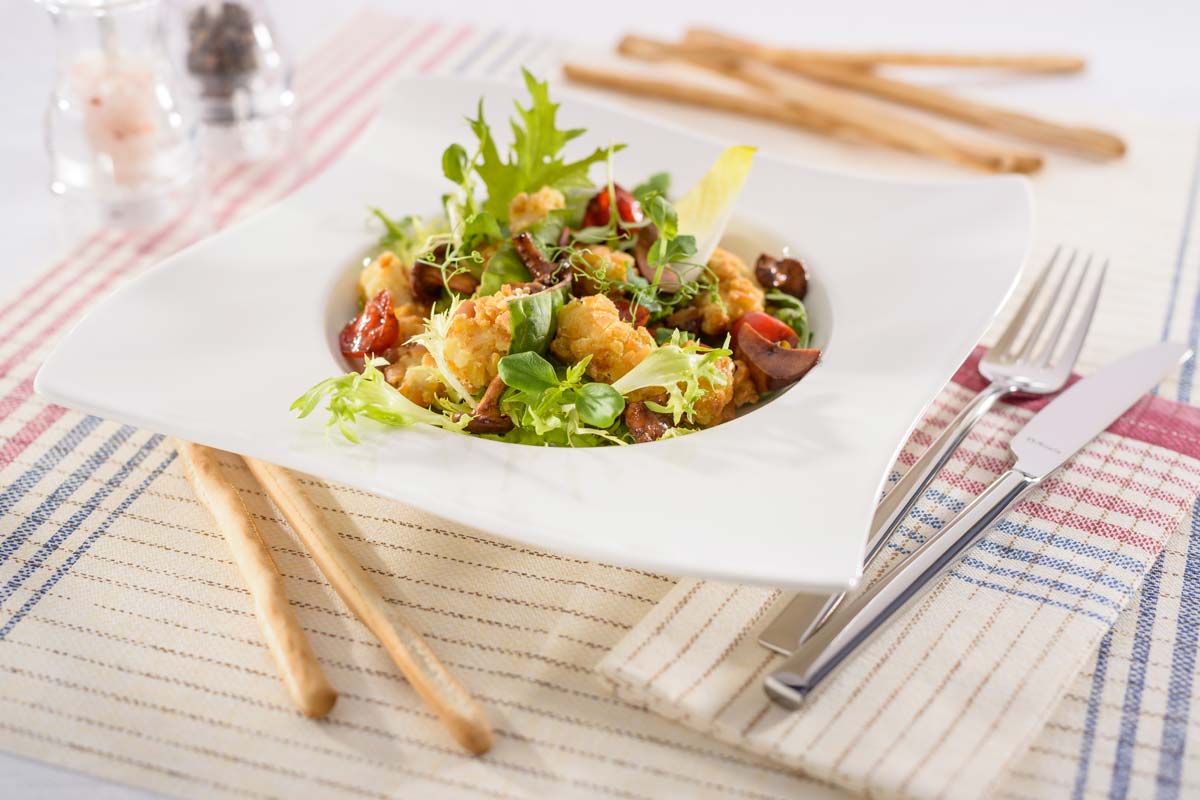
(505, 266)
(599, 404)
(527, 372)
(368, 394)
(535, 158)
(408, 237)
(549, 410)
(791, 312)
(533, 320)
(680, 368)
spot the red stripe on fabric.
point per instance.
(1111, 502)
(1154, 420)
(29, 433)
(79, 250)
(1095, 527)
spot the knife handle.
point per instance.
(863, 613)
(807, 611)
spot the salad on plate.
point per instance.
(543, 308)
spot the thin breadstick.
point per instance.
(821, 120)
(1036, 62)
(846, 111)
(297, 664)
(1082, 140)
(428, 676)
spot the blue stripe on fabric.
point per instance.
(1183, 666)
(1066, 567)
(1041, 580)
(505, 55)
(473, 55)
(1106, 619)
(63, 533)
(16, 490)
(51, 503)
(1088, 740)
(84, 546)
(1135, 683)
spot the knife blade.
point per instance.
(1045, 443)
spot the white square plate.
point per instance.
(215, 343)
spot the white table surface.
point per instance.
(1142, 58)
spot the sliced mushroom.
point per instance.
(637, 315)
(542, 269)
(427, 278)
(486, 416)
(773, 366)
(644, 424)
(785, 274)
(426, 281)
(686, 319)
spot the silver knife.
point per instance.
(1048, 440)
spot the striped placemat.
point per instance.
(128, 646)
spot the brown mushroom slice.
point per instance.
(542, 269)
(426, 281)
(773, 366)
(785, 274)
(644, 424)
(486, 416)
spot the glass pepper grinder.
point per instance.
(121, 135)
(239, 74)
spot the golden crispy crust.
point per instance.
(739, 293)
(386, 272)
(479, 336)
(592, 326)
(712, 406)
(744, 391)
(525, 210)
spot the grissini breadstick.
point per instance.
(846, 111)
(865, 59)
(1082, 140)
(807, 116)
(428, 676)
(302, 674)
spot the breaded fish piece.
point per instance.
(592, 326)
(479, 336)
(386, 272)
(739, 293)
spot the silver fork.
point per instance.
(1025, 360)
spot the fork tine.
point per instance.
(1075, 343)
(1004, 344)
(1052, 343)
(1047, 310)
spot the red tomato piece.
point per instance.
(771, 329)
(638, 317)
(599, 212)
(372, 331)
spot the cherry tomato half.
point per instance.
(372, 331)
(598, 212)
(771, 329)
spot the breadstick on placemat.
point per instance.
(820, 119)
(1082, 140)
(415, 658)
(848, 113)
(302, 674)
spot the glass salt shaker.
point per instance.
(121, 135)
(238, 72)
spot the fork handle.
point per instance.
(869, 609)
(806, 612)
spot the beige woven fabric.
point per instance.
(978, 691)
